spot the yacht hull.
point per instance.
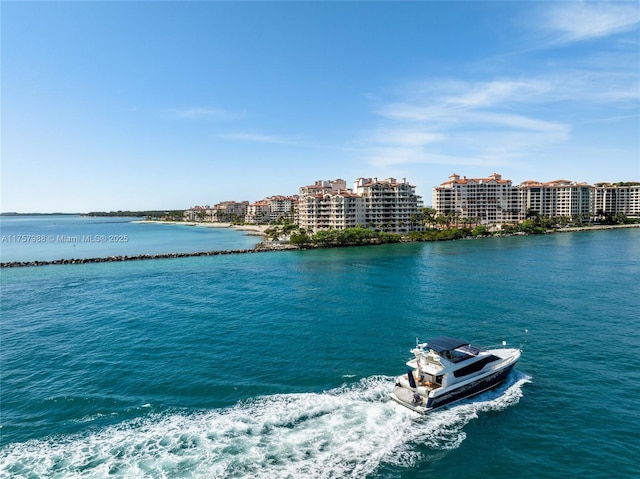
(476, 387)
(424, 404)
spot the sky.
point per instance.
(144, 105)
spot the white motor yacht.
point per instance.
(444, 370)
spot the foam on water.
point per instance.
(346, 432)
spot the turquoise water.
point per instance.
(52, 237)
(278, 365)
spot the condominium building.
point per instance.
(258, 212)
(230, 211)
(221, 212)
(493, 200)
(388, 205)
(198, 213)
(283, 207)
(329, 204)
(485, 200)
(273, 208)
(607, 198)
(554, 198)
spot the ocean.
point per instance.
(278, 365)
(52, 237)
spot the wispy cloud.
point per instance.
(258, 138)
(482, 94)
(446, 97)
(464, 123)
(578, 21)
(613, 119)
(407, 137)
(518, 122)
(206, 113)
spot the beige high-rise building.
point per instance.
(387, 204)
(554, 198)
(281, 206)
(329, 204)
(258, 212)
(607, 198)
(493, 200)
(490, 200)
(390, 205)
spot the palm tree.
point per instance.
(429, 217)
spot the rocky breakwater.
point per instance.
(261, 248)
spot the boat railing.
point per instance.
(499, 346)
(501, 363)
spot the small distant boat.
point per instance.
(446, 369)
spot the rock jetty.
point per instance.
(258, 249)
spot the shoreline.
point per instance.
(596, 228)
(255, 229)
(260, 248)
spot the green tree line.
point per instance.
(437, 228)
(175, 215)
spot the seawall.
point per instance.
(140, 257)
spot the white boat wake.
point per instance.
(346, 432)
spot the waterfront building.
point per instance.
(258, 212)
(490, 200)
(554, 199)
(273, 208)
(283, 207)
(329, 204)
(197, 213)
(389, 205)
(610, 199)
(494, 200)
(223, 212)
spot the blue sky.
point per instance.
(165, 105)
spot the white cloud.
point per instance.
(465, 123)
(406, 137)
(257, 138)
(579, 21)
(519, 122)
(447, 98)
(200, 113)
(613, 119)
(495, 92)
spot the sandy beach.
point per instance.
(255, 229)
